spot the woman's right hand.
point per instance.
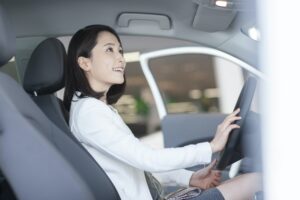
(223, 131)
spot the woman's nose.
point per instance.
(120, 57)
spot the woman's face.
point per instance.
(106, 65)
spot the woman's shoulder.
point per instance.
(89, 104)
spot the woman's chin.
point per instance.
(119, 81)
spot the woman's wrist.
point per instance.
(192, 180)
(212, 146)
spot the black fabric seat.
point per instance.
(38, 159)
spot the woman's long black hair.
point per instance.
(81, 44)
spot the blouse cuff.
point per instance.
(206, 152)
(184, 178)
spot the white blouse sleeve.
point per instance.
(97, 127)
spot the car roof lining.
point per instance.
(71, 15)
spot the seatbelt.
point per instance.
(154, 187)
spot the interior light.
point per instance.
(132, 56)
(221, 3)
(254, 33)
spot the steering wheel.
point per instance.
(233, 151)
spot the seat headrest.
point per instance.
(45, 69)
(7, 38)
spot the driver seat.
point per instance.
(36, 157)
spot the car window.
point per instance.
(137, 106)
(197, 83)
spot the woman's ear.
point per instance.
(84, 63)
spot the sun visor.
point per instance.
(212, 18)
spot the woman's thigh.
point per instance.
(210, 194)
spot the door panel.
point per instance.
(183, 129)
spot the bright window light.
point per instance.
(281, 97)
(221, 3)
(132, 57)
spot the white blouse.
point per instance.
(100, 129)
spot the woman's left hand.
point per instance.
(206, 178)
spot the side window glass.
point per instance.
(197, 83)
(137, 106)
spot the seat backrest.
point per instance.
(37, 158)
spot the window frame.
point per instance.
(145, 57)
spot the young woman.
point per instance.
(94, 81)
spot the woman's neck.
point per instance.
(103, 98)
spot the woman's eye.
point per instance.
(110, 49)
(121, 51)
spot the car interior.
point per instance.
(39, 156)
